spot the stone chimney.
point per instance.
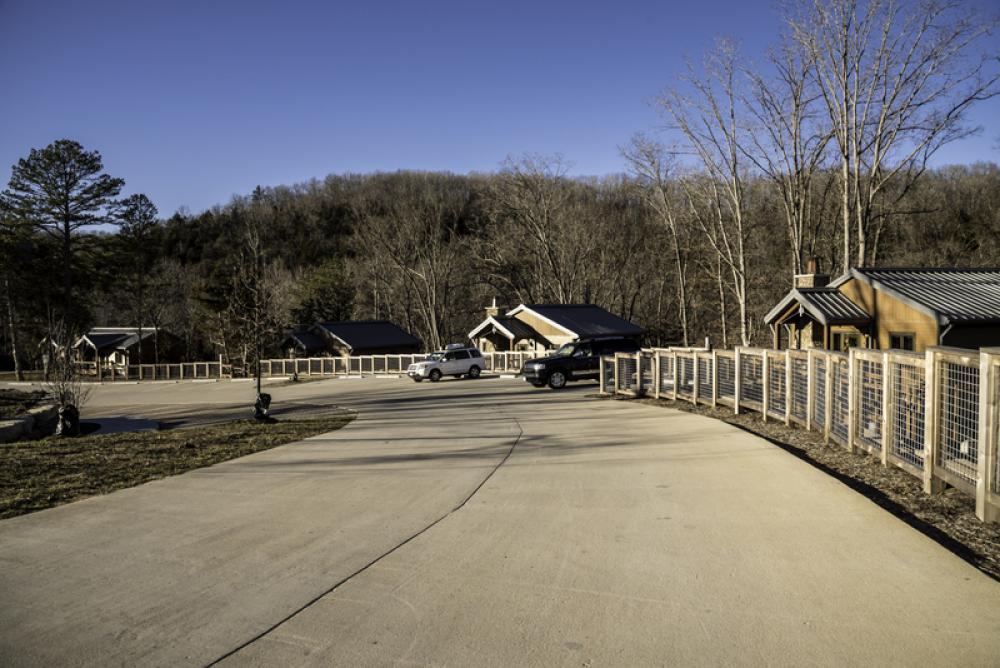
(812, 278)
(494, 310)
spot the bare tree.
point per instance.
(537, 251)
(897, 79)
(710, 121)
(654, 167)
(788, 138)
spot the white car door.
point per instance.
(449, 364)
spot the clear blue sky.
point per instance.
(192, 102)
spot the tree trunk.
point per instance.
(12, 323)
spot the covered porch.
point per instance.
(822, 318)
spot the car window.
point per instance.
(475, 352)
(582, 351)
(462, 354)
(450, 355)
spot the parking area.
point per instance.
(482, 522)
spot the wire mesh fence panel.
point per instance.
(819, 393)
(870, 404)
(646, 372)
(727, 378)
(752, 379)
(685, 376)
(608, 369)
(379, 364)
(667, 363)
(626, 374)
(958, 419)
(800, 388)
(776, 386)
(906, 418)
(840, 391)
(705, 379)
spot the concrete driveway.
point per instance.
(483, 522)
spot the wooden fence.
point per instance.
(935, 415)
(358, 365)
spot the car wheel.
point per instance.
(435, 375)
(418, 380)
(474, 372)
(557, 379)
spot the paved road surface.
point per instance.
(472, 523)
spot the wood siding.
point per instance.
(890, 315)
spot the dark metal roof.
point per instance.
(361, 335)
(305, 340)
(115, 338)
(952, 295)
(585, 320)
(826, 305)
(520, 329)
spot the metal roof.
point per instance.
(951, 295)
(512, 328)
(115, 338)
(361, 335)
(826, 305)
(305, 340)
(582, 320)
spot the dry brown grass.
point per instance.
(48, 472)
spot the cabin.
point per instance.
(343, 339)
(889, 308)
(122, 346)
(539, 327)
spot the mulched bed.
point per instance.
(51, 471)
(949, 517)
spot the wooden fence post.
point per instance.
(888, 406)
(932, 391)
(788, 386)
(715, 378)
(765, 375)
(852, 399)
(810, 388)
(987, 501)
(827, 395)
(617, 384)
(676, 376)
(736, 380)
(656, 373)
(697, 382)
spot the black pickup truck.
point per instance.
(580, 360)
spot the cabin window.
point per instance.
(845, 341)
(902, 340)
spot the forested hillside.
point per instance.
(824, 150)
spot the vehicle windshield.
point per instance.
(566, 350)
(435, 356)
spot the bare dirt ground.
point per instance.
(949, 518)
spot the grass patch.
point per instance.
(40, 474)
(14, 402)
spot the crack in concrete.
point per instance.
(517, 438)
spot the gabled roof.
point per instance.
(828, 306)
(369, 334)
(114, 338)
(305, 340)
(950, 295)
(581, 320)
(512, 328)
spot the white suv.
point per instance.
(455, 360)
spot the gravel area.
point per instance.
(949, 518)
